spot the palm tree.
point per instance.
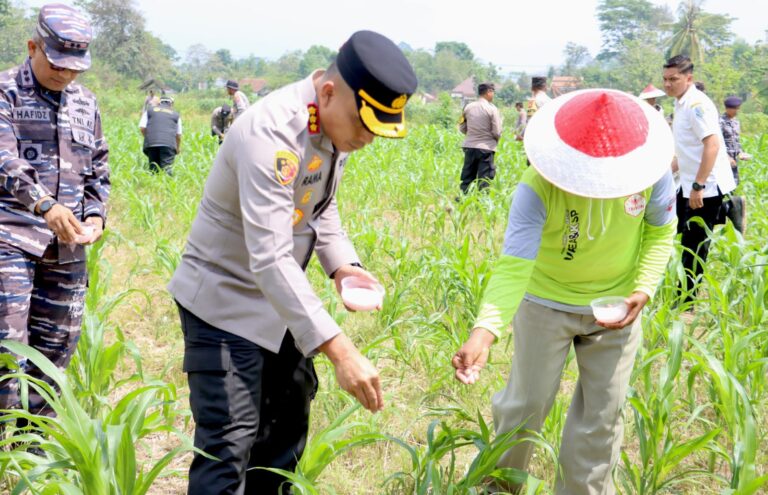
(697, 31)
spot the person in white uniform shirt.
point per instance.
(701, 158)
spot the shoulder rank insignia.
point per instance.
(315, 163)
(298, 215)
(313, 123)
(286, 167)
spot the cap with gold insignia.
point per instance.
(67, 34)
(382, 79)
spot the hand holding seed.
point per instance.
(98, 228)
(472, 356)
(354, 372)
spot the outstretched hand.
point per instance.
(472, 356)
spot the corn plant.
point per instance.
(434, 468)
(77, 453)
(655, 409)
(325, 446)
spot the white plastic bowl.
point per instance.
(87, 233)
(609, 309)
(361, 294)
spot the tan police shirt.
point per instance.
(481, 122)
(268, 204)
(240, 104)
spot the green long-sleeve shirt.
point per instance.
(568, 249)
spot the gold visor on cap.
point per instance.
(380, 119)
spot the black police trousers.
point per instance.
(251, 409)
(160, 158)
(478, 165)
(694, 239)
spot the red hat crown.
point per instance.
(602, 124)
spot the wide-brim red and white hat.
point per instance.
(599, 143)
(651, 91)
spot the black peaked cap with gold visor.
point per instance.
(382, 80)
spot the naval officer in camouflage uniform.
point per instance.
(53, 176)
(251, 320)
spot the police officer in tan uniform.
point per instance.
(251, 320)
(54, 184)
(221, 120)
(240, 102)
(481, 122)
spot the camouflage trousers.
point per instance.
(41, 304)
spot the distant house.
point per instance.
(565, 84)
(465, 90)
(425, 97)
(257, 85)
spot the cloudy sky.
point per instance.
(513, 34)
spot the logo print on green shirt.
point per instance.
(570, 234)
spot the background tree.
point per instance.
(196, 66)
(697, 31)
(460, 50)
(637, 36)
(510, 93)
(122, 42)
(576, 57)
(15, 30)
(316, 57)
(622, 21)
(640, 65)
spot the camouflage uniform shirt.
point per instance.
(731, 129)
(50, 145)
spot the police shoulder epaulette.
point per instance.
(313, 121)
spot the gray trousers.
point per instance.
(593, 432)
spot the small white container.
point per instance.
(360, 294)
(87, 234)
(609, 309)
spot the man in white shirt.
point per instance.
(539, 95)
(537, 100)
(701, 158)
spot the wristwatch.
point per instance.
(359, 265)
(46, 206)
(698, 187)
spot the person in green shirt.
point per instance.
(594, 216)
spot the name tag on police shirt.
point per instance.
(34, 114)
